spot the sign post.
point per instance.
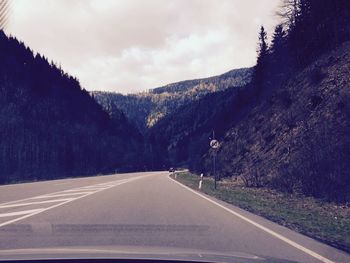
(214, 144)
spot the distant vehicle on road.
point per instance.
(171, 170)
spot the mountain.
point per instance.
(232, 78)
(50, 127)
(144, 110)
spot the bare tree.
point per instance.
(289, 11)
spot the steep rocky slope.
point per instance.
(297, 139)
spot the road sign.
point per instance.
(214, 144)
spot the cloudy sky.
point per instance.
(134, 45)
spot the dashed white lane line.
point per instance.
(25, 212)
(267, 230)
(28, 213)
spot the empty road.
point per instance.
(142, 210)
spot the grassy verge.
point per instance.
(327, 222)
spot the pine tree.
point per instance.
(260, 68)
(262, 48)
(278, 39)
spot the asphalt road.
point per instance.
(142, 210)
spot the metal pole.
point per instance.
(214, 169)
(214, 162)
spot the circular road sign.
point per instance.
(214, 144)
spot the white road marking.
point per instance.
(74, 190)
(89, 188)
(29, 198)
(20, 213)
(267, 230)
(59, 195)
(35, 213)
(38, 211)
(71, 190)
(35, 203)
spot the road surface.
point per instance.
(142, 210)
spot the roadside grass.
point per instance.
(326, 222)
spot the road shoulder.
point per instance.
(310, 246)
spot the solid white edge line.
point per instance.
(267, 230)
(66, 202)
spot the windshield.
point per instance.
(215, 131)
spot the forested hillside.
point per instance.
(50, 127)
(232, 78)
(146, 109)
